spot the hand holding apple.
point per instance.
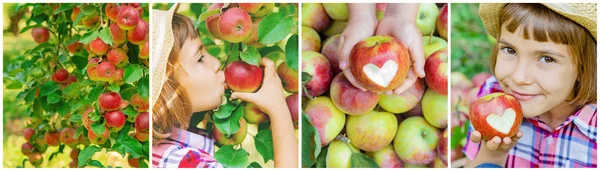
(496, 115)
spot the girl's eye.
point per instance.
(200, 58)
(509, 50)
(546, 59)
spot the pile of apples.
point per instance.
(393, 130)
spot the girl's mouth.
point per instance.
(522, 96)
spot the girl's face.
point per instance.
(200, 76)
(541, 75)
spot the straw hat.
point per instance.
(583, 14)
(162, 43)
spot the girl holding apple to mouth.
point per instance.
(187, 79)
(545, 56)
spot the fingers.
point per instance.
(410, 80)
(506, 143)
(248, 97)
(476, 137)
(414, 42)
(269, 66)
(494, 143)
(355, 32)
(352, 80)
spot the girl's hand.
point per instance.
(497, 146)
(269, 98)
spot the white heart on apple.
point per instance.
(502, 123)
(381, 76)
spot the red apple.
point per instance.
(315, 16)
(128, 17)
(119, 35)
(442, 22)
(350, 99)
(386, 157)
(105, 71)
(28, 133)
(139, 34)
(460, 81)
(235, 25)
(61, 76)
(379, 63)
(74, 153)
(40, 34)
(75, 12)
(98, 47)
(67, 136)
(496, 114)
(139, 103)
(371, 131)
(480, 78)
(36, 159)
(243, 77)
(436, 69)
(212, 23)
(111, 10)
(145, 51)
(115, 120)
(327, 119)
(251, 8)
(52, 138)
(98, 139)
(85, 120)
(118, 76)
(142, 136)
(329, 50)
(289, 77)
(253, 115)
(27, 148)
(90, 21)
(310, 39)
(319, 68)
(117, 56)
(109, 101)
(133, 162)
(75, 47)
(142, 122)
(292, 103)
(233, 139)
(404, 102)
(442, 148)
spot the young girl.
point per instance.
(545, 57)
(187, 79)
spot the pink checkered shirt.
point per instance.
(184, 149)
(572, 144)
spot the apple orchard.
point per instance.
(343, 126)
(239, 35)
(85, 83)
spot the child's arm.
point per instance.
(399, 21)
(271, 100)
(362, 23)
(494, 151)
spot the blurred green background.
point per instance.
(471, 44)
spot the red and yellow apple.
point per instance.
(233, 139)
(386, 157)
(496, 114)
(235, 25)
(330, 50)
(243, 77)
(316, 65)
(371, 131)
(442, 22)
(292, 103)
(404, 102)
(350, 99)
(253, 115)
(289, 77)
(416, 141)
(339, 154)
(436, 69)
(315, 16)
(128, 17)
(327, 119)
(310, 39)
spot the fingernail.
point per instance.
(343, 64)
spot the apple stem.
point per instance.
(430, 37)
(306, 93)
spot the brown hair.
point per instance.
(172, 107)
(549, 25)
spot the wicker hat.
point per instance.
(162, 43)
(583, 14)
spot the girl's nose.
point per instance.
(522, 73)
(213, 62)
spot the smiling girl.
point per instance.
(545, 57)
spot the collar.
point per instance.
(584, 119)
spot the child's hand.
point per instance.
(496, 146)
(361, 25)
(269, 98)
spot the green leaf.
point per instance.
(48, 88)
(322, 158)
(263, 141)
(144, 86)
(360, 160)
(129, 111)
(306, 77)
(30, 27)
(88, 37)
(53, 98)
(232, 158)
(207, 14)
(126, 144)
(311, 142)
(291, 52)
(63, 109)
(80, 130)
(96, 163)
(254, 165)
(15, 85)
(88, 9)
(62, 8)
(96, 92)
(233, 54)
(225, 110)
(73, 39)
(86, 154)
(98, 128)
(76, 118)
(274, 28)
(114, 88)
(106, 36)
(251, 56)
(230, 125)
(132, 73)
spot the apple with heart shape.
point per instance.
(350, 99)
(434, 108)
(379, 63)
(386, 157)
(317, 66)
(315, 16)
(243, 77)
(337, 27)
(339, 154)
(496, 114)
(329, 50)
(337, 11)
(371, 131)
(436, 69)
(442, 22)
(427, 17)
(416, 141)
(327, 119)
(404, 102)
(310, 39)
(432, 44)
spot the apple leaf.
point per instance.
(311, 142)
(96, 163)
(263, 141)
(63, 108)
(306, 77)
(96, 92)
(88, 37)
(74, 39)
(48, 88)
(207, 14)
(254, 165)
(98, 128)
(144, 86)
(114, 88)
(132, 73)
(231, 124)
(129, 111)
(322, 158)
(225, 110)
(30, 27)
(233, 54)
(53, 98)
(86, 154)
(251, 56)
(106, 36)
(274, 28)
(232, 158)
(459, 134)
(63, 7)
(126, 144)
(291, 52)
(360, 160)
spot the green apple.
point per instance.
(404, 102)
(427, 18)
(253, 115)
(432, 44)
(434, 108)
(371, 131)
(339, 153)
(337, 11)
(416, 141)
(386, 157)
(337, 27)
(311, 40)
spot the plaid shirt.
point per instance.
(184, 149)
(572, 144)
